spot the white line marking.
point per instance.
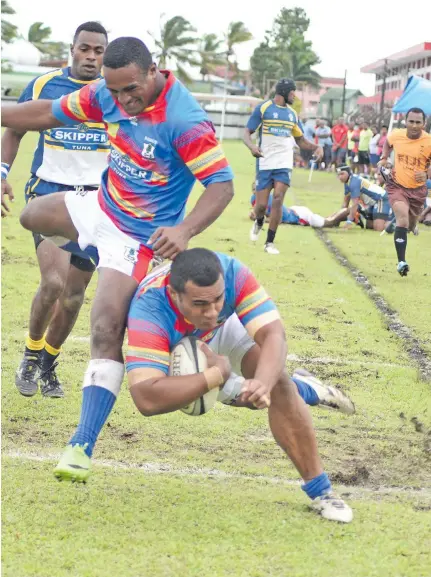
(298, 359)
(167, 469)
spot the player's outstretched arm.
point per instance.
(305, 144)
(155, 393)
(169, 241)
(34, 115)
(271, 339)
(209, 207)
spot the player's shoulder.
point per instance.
(180, 102)
(231, 266)
(398, 134)
(292, 112)
(265, 106)
(426, 136)
(45, 84)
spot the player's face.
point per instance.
(414, 124)
(343, 176)
(202, 305)
(133, 88)
(291, 97)
(87, 55)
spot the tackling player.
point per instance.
(161, 142)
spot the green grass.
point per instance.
(191, 520)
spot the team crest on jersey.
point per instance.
(148, 150)
(275, 115)
(291, 117)
(131, 254)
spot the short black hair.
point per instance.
(127, 50)
(91, 26)
(384, 126)
(199, 265)
(418, 111)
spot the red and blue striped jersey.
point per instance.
(155, 157)
(155, 325)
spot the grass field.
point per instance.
(213, 496)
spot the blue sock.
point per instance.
(306, 392)
(318, 486)
(97, 403)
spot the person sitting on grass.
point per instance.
(374, 198)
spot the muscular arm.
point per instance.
(247, 138)
(154, 393)
(306, 144)
(208, 208)
(353, 209)
(10, 142)
(386, 152)
(34, 115)
(273, 350)
(346, 201)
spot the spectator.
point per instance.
(365, 137)
(374, 146)
(309, 134)
(382, 139)
(339, 142)
(324, 140)
(352, 145)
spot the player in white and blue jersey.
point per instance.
(372, 196)
(276, 122)
(65, 158)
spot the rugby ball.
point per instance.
(188, 359)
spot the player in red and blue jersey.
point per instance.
(63, 160)
(215, 298)
(161, 142)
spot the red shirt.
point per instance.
(339, 135)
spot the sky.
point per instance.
(345, 35)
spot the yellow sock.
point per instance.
(34, 345)
(49, 349)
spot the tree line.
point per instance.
(284, 51)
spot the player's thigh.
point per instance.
(401, 208)
(49, 215)
(120, 252)
(233, 341)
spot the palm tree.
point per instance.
(38, 35)
(237, 34)
(210, 54)
(8, 31)
(176, 43)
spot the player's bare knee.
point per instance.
(260, 210)
(26, 217)
(107, 333)
(51, 287)
(72, 300)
